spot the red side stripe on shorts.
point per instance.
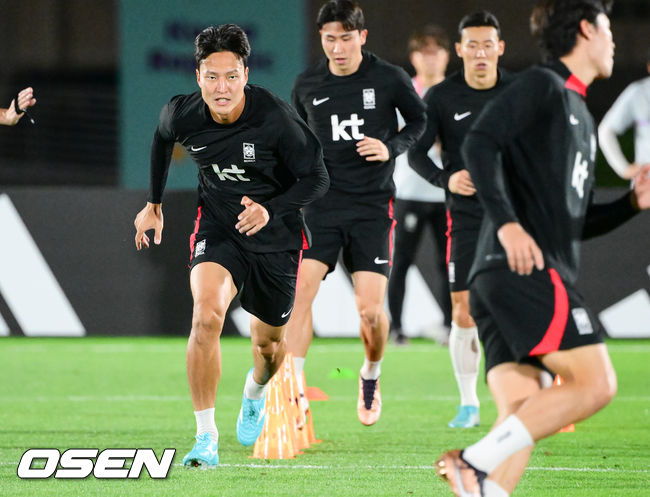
(193, 235)
(305, 245)
(448, 235)
(555, 332)
(392, 231)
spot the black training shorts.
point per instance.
(522, 317)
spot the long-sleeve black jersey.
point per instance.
(531, 155)
(268, 154)
(343, 109)
(452, 107)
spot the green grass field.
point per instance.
(126, 392)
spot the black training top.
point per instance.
(531, 155)
(343, 109)
(452, 107)
(268, 154)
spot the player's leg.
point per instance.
(369, 292)
(437, 221)
(212, 290)
(464, 347)
(407, 237)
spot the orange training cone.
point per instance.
(275, 441)
(572, 426)
(309, 422)
(295, 414)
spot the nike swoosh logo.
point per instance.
(287, 313)
(573, 120)
(318, 101)
(459, 117)
(197, 149)
(380, 261)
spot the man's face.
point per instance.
(601, 48)
(341, 47)
(430, 59)
(480, 49)
(222, 77)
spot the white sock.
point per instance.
(252, 389)
(371, 369)
(465, 352)
(205, 422)
(298, 367)
(509, 437)
(493, 489)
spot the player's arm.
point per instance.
(297, 104)
(602, 218)
(418, 154)
(151, 217)
(413, 111)
(618, 119)
(12, 115)
(513, 110)
(300, 151)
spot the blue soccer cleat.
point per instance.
(204, 454)
(251, 419)
(467, 417)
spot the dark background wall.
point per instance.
(69, 50)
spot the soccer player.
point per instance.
(419, 204)
(258, 165)
(452, 107)
(16, 110)
(631, 108)
(349, 100)
(531, 155)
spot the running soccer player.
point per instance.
(631, 109)
(349, 100)
(531, 155)
(452, 107)
(24, 100)
(419, 204)
(258, 165)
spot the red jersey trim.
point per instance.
(555, 332)
(576, 85)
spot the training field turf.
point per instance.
(130, 393)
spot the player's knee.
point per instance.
(371, 314)
(598, 392)
(207, 321)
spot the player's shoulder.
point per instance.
(382, 68)
(268, 105)
(313, 75)
(450, 86)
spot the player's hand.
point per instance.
(641, 191)
(632, 170)
(522, 251)
(373, 149)
(253, 218)
(461, 183)
(25, 100)
(151, 217)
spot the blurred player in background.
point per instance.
(418, 203)
(631, 109)
(13, 114)
(531, 155)
(349, 100)
(258, 165)
(452, 107)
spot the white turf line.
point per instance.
(416, 468)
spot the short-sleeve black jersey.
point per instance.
(452, 107)
(531, 155)
(341, 110)
(268, 154)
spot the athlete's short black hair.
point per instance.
(556, 23)
(347, 12)
(479, 19)
(422, 37)
(224, 38)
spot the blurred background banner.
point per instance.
(157, 62)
